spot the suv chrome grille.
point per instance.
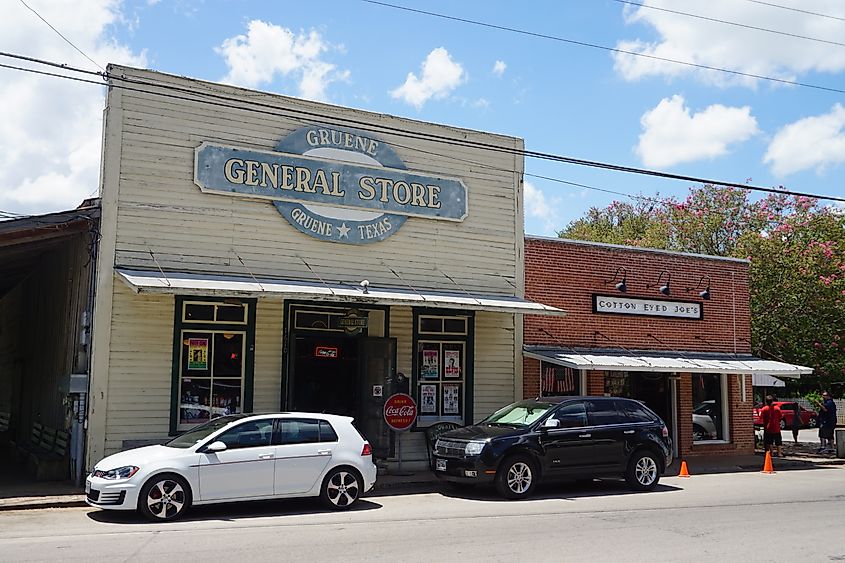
(449, 448)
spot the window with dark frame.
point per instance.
(441, 367)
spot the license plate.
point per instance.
(87, 486)
(440, 464)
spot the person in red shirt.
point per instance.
(771, 416)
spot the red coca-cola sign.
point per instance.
(400, 411)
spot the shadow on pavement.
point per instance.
(229, 512)
(552, 491)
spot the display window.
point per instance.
(709, 407)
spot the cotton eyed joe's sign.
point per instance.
(335, 184)
(647, 307)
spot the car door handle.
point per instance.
(584, 435)
(265, 456)
(324, 452)
(629, 431)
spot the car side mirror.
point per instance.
(550, 423)
(215, 447)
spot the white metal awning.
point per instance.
(664, 361)
(142, 281)
(763, 380)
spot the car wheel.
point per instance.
(814, 422)
(341, 488)
(698, 433)
(643, 471)
(516, 477)
(782, 424)
(164, 497)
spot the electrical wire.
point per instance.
(606, 48)
(726, 22)
(68, 41)
(254, 106)
(790, 8)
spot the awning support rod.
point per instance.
(467, 293)
(307, 265)
(573, 350)
(249, 271)
(606, 337)
(153, 256)
(412, 288)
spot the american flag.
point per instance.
(557, 380)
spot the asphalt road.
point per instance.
(788, 516)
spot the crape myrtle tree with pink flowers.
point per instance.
(796, 246)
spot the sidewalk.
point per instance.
(17, 493)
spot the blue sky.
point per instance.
(561, 98)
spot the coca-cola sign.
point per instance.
(400, 411)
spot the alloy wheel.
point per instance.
(166, 499)
(519, 477)
(645, 470)
(342, 489)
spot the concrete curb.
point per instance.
(29, 503)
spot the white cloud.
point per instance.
(50, 128)
(267, 49)
(499, 68)
(440, 76)
(813, 142)
(718, 45)
(671, 135)
(538, 207)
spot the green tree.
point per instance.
(797, 251)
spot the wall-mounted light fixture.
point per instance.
(664, 289)
(623, 284)
(704, 293)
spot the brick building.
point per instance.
(670, 329)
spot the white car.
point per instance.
(239, 457)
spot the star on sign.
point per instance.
(343, 231)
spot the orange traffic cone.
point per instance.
(684, 471)
(767, 465)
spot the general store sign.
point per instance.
(331, 183)
(647, 307)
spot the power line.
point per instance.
(68, 41)
(254, 106)
(605, 48)
(736, 24)
(790, 8)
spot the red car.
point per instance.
(809, 419)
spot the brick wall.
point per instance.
(566, 275)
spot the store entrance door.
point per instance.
(346, 375)
(653, 390)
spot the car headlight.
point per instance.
(119, 473)
(475, 447)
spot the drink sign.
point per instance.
(400, 412)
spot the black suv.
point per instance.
(557, 438)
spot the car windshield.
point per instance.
(519, 414)
(194, 435)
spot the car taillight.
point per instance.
(367, 449)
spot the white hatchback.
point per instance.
(239, 457)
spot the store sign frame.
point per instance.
(638, 306)
(322, 178)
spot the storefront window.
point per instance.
(442, 364)
(559, 380)
(708, 412)
(212, 361)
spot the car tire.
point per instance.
(164, 498)
(341, 488)
(813, 422)
(517, 477)
(643, 471)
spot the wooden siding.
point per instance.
(160, 209)
(267, 386)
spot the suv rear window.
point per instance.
(636, 412)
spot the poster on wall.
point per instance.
(452, 363)
(198, 353)
(430, 368)
(428, 399)
(452, 398)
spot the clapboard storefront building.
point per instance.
(265, 253)
(670, 329)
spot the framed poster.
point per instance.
(452, 363)
(198, 353)
(428, 399)
(452, 398)
(430, 368)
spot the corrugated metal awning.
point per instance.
(142, 281)
(663, 361)
(763, 380)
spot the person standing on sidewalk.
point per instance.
(772, 416)
(827, 422)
